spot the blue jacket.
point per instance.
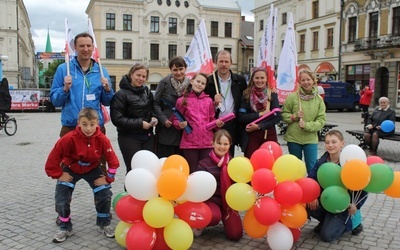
(83, 93)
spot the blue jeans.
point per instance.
(102, 198)
(310, 153)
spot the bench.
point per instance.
(321, 134)
(359, 135)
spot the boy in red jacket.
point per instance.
(79, 153)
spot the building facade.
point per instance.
(154, 31)
(317, 31)
(370, 47)
(16, 42)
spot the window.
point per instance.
(315, 40)
(214, 51)
(251, 63)
(228, 29)
(127, 50)
(396, 21)
(302, 43)
(127, 22)
(110, 50)
(261, 24)
(284, 18)
(352, 29)
(315, 9)
(214, 28)
(110, 21)
(190, 27)
(113, 82)
(172, 25)
(155, 24)
(172, 51)
(373, 24)
(228, 49)
(329, 44)
(154, 51)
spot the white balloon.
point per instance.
(148, 160)
(201, 185)
(351, 152)
(141, 184)
(279, 237)
(162, 160)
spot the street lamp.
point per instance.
(2, 58)
(340, 40)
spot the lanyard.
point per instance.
(227, 89)
(87, 83)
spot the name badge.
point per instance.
(90, 97)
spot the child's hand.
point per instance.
(219, 123)
(183, 124)
(352, 209)
(313, 205)
(66, 177)
(100, 181)
(168, 124)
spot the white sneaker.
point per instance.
(107, 231)
(197, 232)
(62, 236)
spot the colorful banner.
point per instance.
(24, 99)
(50, 55)
(198, 57)
(287, 69)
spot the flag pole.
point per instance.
(100, 67)
(215, 83)
(66, 48)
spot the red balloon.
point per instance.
(129, 210)
(273, 147)
(196, 214)
(263, 181)
(288, 193)
(374, 159)
(296, 232)
(141, 236)
(160, 243)
(262, 158)
(267, 211)
(311, 189)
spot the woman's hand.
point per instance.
(146, 125)
(252, 127)
(154, 121)
(219, 123)
(300, 114)
(168, 124)
(302, 123)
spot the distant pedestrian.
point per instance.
(365, 101)
(77, 156)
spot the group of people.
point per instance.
(173, 121)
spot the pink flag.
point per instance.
(287, 69)
(198, 57)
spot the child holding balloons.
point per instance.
(332, 225)
(217, 164)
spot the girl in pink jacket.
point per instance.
(198, 109)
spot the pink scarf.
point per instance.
(225, 180)
(258, 99)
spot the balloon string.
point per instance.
(362, 199)
(348, 216)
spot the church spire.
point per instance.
(48, 43)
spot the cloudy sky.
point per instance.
(45, 14)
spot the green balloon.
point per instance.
(382, 177)
(335, 199)
(329, 175)
(117, 198)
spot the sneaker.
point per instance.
(197, 232)
(357, 230)
(62, 236)
(107, 231)
(317, 229)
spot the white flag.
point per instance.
(69, 40)
(287, 68)
(96, 54)
(198, 57)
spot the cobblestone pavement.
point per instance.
(27, 218)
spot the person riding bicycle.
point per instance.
(5, 99)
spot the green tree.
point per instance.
(51, 70)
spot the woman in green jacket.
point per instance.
(304, 112)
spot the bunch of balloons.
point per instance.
(358, 172)
(158, 191)
(275, 199)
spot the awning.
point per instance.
(325, 67)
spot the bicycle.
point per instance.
(9, 124)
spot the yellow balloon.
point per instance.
(178, 235)
(240, 196)
(240, 169)
(287, 168)
(158, 212)
(121, 230)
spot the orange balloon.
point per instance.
(171, 184)
(252, 227)
(394, 189)
(177, 162)
(294, 216)
(355, 174)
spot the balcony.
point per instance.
(381, 42)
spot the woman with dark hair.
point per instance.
(168, 91)
(257, 100)
(133, 114)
